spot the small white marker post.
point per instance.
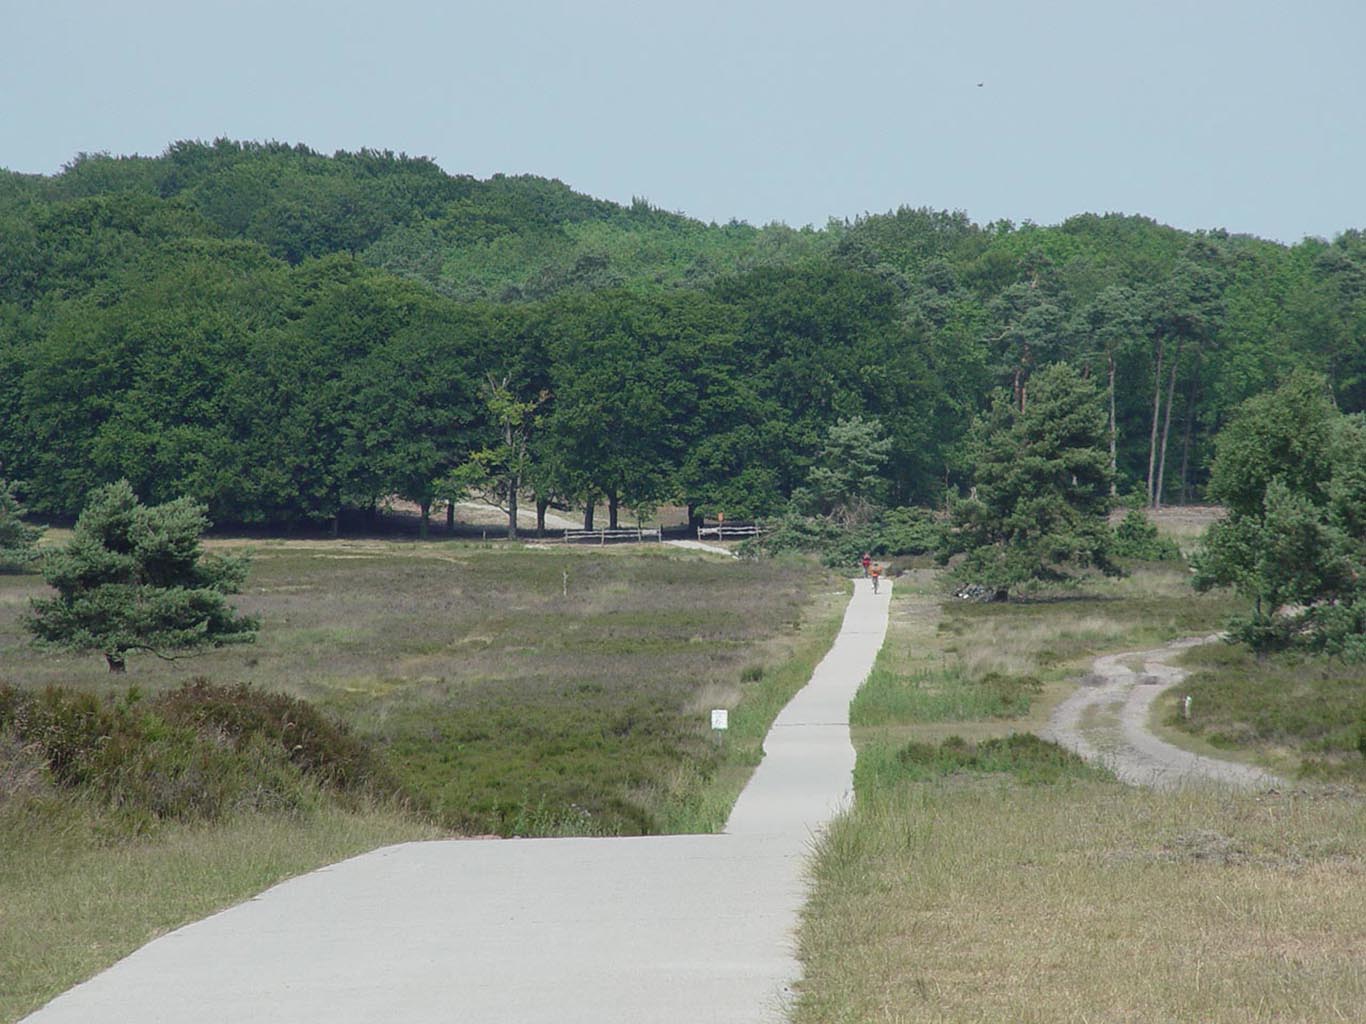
(1186, 707)
(720, 719)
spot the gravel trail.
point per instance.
(1106, 721)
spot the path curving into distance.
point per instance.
(1106, 721)
(656, 929)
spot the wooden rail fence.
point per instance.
(606, 535)
(724, 532)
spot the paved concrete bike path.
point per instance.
(669, 928)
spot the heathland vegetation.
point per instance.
(396, 690)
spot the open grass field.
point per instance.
(990, 880)
(511, 690)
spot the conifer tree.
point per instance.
(1042, 487)
(135, 578)
(18, 540)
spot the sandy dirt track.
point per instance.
(1106, 721)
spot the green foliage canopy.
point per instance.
(1042, 483)
(134, 578)
(1292, 470)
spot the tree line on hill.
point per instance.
(289, 338)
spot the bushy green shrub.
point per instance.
(196, 753)
(321, 748)
(18, 540)
(1138, 539)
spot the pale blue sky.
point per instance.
(1247, 115)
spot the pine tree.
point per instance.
(134, 578)
(18, 540)
(1042, 487)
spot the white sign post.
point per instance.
(720, 719)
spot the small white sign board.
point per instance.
(720, 718)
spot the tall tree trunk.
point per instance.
(694, 520)
(1157, 412)
(450, 517)
(514, 479)
(1114, 464)
(613, 504)
(541, 505)
(1166, 428)
(1186, 441)
(589, 505)
(426, 518)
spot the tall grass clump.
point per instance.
(948, 693)
(1018, 757)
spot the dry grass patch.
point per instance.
(1088, 902)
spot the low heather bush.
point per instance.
(196, 753)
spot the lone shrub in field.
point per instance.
(1024, 755)
(321, 748)
(133, 578)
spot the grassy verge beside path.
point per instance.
(990, 879)
(1086, 902)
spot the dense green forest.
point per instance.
(291, 338)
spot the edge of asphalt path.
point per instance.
(657, 928)
(1106, 721)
